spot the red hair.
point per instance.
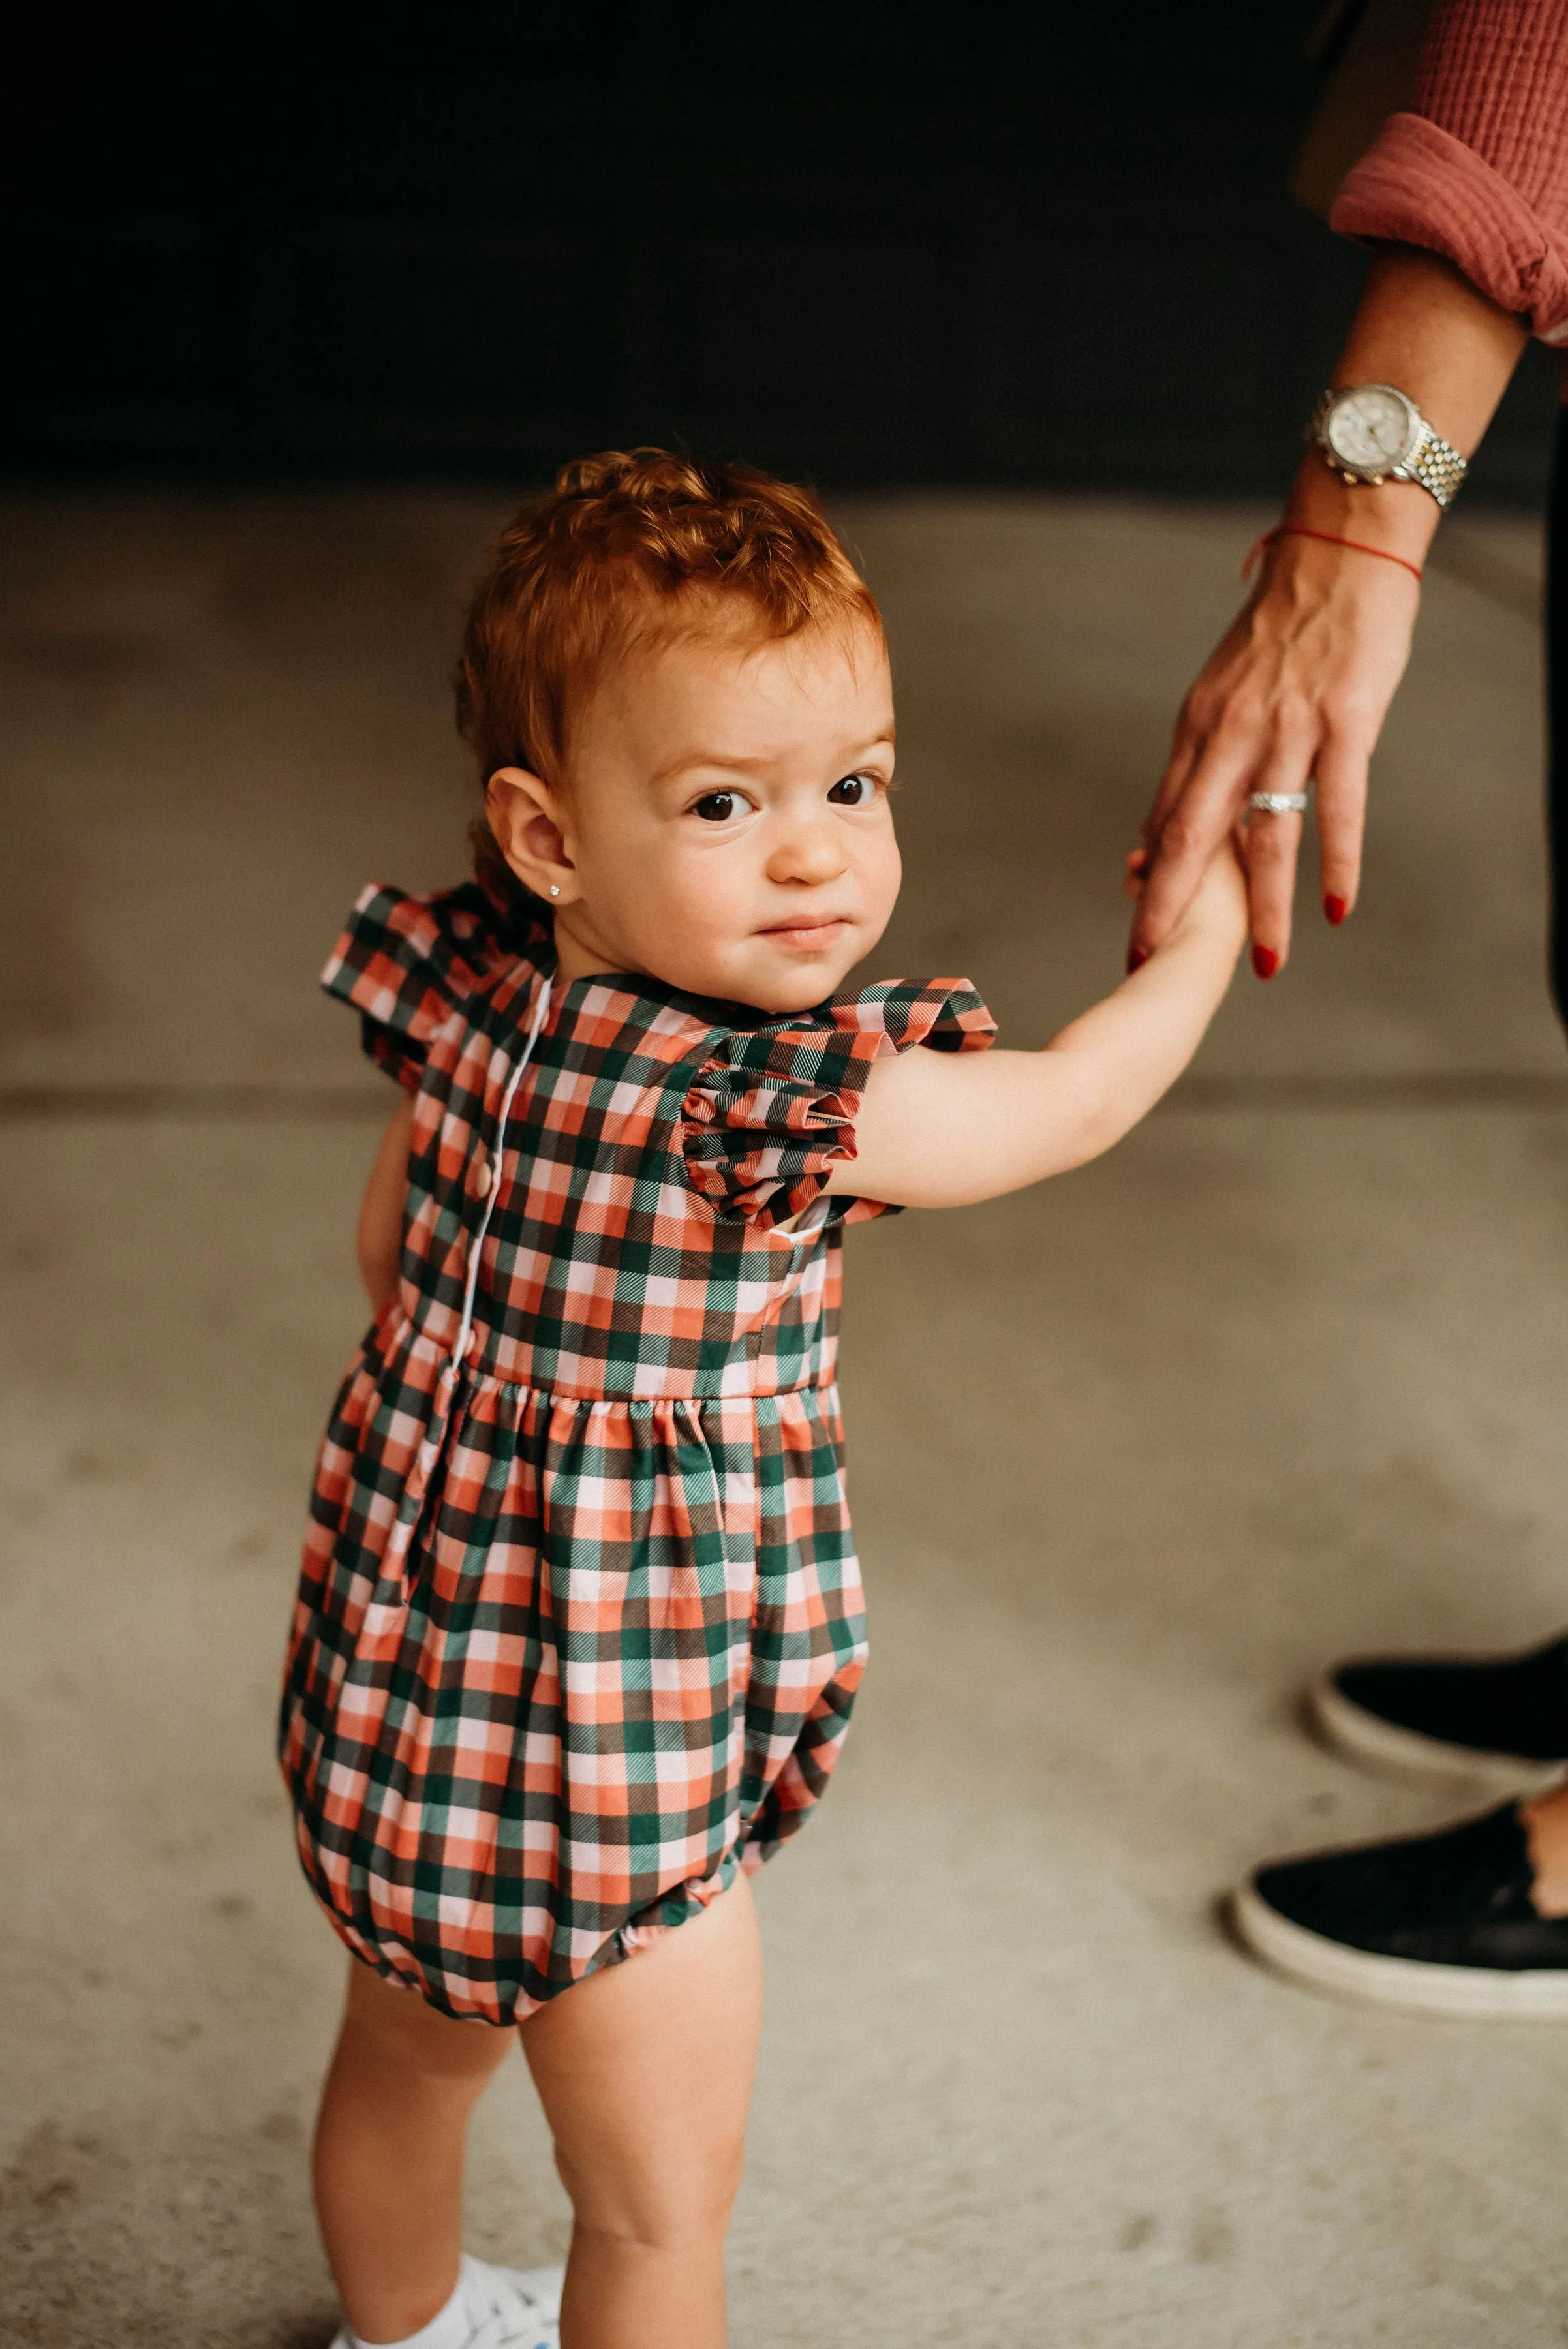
(625, 547)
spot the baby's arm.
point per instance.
(938, 1129)
(379, 1242)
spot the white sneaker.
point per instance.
(514, 2308)
(508, 2308)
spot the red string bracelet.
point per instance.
(1298, 530)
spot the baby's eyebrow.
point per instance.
(740, 762)
(736, 760)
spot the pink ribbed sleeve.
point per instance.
(1478, 169)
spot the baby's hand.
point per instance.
(1222, 899)
(1220, 903)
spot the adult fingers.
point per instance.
(1188, 837)
(1341, 820)
(1272, 843)
(1187, 745)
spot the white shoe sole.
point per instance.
(542, 2285)
(1406, 1754)
(1478, 1993)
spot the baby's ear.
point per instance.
(521, 812)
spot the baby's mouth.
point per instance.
(808, 930)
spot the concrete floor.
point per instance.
(1131, 1455)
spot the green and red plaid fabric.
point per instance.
(580, 1621)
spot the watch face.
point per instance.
(1371, 428)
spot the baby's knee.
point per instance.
(682, 2196)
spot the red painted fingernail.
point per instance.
(1137, 957)
(1265, 961)
(1335, 909)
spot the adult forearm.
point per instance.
(1424, 328)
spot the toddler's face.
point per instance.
(725, 825)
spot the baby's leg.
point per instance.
(644, 2075)
(389, 2153)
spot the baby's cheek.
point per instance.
(881, 876)
(709, 902)
(691, 926)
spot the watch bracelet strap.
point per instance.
(1438, 467)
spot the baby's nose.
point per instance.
(812, 852)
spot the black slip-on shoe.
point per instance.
(1440, 1924)
(1500, 1718)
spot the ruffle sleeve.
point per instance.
(406, 964)
(774, 1107)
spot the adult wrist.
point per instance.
(1396, 516)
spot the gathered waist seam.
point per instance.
(520, 1390)
(396, 1334)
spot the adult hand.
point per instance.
(1300, 686)
(1295, 691)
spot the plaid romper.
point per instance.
(579, 1624)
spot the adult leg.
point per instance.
(1474, 1919)
(1557, 717)
(388, 2152)
(1547, 1819)
(1505, 1716)
(645, 2073)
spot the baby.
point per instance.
(579, 1627)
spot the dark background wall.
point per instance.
(869, 241)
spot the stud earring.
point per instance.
(554, 889)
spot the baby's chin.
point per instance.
(772, 982)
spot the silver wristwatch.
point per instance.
(1372, 432)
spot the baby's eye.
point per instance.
(718, 807)
(853, 791)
